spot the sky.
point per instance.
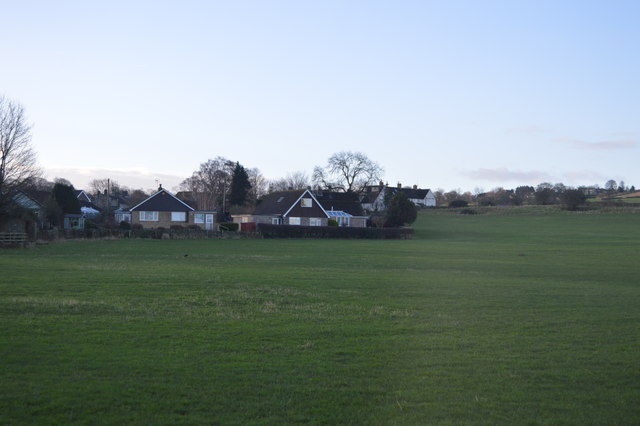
(467, 95)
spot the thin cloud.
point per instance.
(502, 174)
(582, 176)
(80, 177)
(602, 145)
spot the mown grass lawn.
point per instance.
(528, 317)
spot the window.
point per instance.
(148, 216)
(178, 216)
(306, 202)
(315, 221)
(198, 218)
(294, 221)
(276, 221)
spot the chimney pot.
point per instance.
(399, 185)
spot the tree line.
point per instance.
(544, 193)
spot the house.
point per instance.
(343, 207)
(34, 201)
(375, 199)
(83, 198)
(163, 210)
(291, 208)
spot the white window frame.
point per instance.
(295, 221)
(315, 221)
(146, 216)
(198, 218)
(306, 202)
(276, 221)
(178, 216)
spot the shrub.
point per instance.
(333, 222)
(401, 211)
(573, 198)
(89, 224)
(458, 203)
(176, 227)
(229, 226)
(137, 227)
(125, 226)
(468, 211)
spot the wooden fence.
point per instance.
(13, 239)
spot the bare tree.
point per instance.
(348, 171)
(292, 181)
(259, 184)
(210, 185)
(17, 158)
(611, 185)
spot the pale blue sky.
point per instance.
(443, 94)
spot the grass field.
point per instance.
(520, 318)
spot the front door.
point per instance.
(208, 222)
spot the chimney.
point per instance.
(415, 186)
(399, 185)
(160, 187)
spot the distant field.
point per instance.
(528, 316)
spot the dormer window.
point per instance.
(306, 202)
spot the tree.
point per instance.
(17, 157)
(545, 194)
(104, 186)
(259, 185)
(210, 184)
(65, 197)
(348, 171)
(611, 185)
(137, 196)
(240, 186)
(401, 211)
(292, 181)
(61, 201)
(573, 198)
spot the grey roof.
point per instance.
(344, 201)
(411, 193)
(163, 201)
(277, 203)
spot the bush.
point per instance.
(458, 203)
(468, 211)
(229, 226)
(333, 222)
(176, 227)
(573, 198)
(89, 224)
(401, 211)
(137, 227)
(125, 226)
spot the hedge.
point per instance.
(295, 231)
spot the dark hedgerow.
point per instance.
(229, 226)
(295, 231)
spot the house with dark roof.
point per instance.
(163, 210)
(291, 208)
(343, 207)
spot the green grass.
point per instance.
(531, 317)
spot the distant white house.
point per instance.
(375, 198)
